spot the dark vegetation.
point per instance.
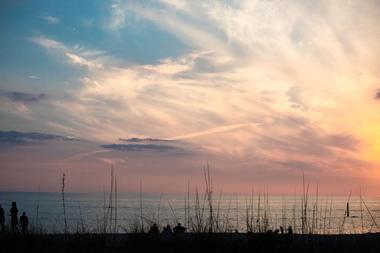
(189, 242)
(208, 229)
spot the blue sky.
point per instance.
(260, 87)
(81, 23)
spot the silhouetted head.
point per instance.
(168, 226)
(154, 225)
(179, 224)
(23, 213)
(13, 204)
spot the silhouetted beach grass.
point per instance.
(206, 212)
(304, 225)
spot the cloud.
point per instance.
(143, 148)
(118, 17)
(74, 54)
(15, 137)
(76, 59)
(88, 22)
(33, 77)
(178, 4)
(211, 131)
(259, 80)
(139, 140)
(23, 97)
(153, 145)
(47, 43)
(85, 155)
(377, 95)
(295, 97)
(347, 142)
(51, 20)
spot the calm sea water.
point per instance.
(88, 212)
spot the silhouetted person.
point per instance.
(24, 221)
(290, 230)
(179, 229)
(282, 230)
(167, 230)
(14, 219)
(2, 218)
(154, 229)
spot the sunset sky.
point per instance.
(263, 90)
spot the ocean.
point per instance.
(91, 212)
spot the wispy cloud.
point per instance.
(377, 95)
(47, 43)
(88, 22)
(262, 80)
(33, 77)
(213, 130)
(139, 147)
(75, 54)
(153, 145)
(51, 19)
(178, 4)
(142, 140)
(15, 137)
(76, 59)
(24, 97)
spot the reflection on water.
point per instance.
(90, 212)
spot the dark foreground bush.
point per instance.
(223, 242)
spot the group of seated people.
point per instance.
(180, 229)
(167, 230)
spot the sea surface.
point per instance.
(93, 212)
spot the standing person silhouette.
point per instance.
(24, 221)
(14, 219)
(2, 218)
(290, 230)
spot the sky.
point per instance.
(263, 91)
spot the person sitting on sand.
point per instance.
(154, 229)
(167, 230)
(179, 229)
(2, 218)
(24, 221)
(14, 219)
(290, 230)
